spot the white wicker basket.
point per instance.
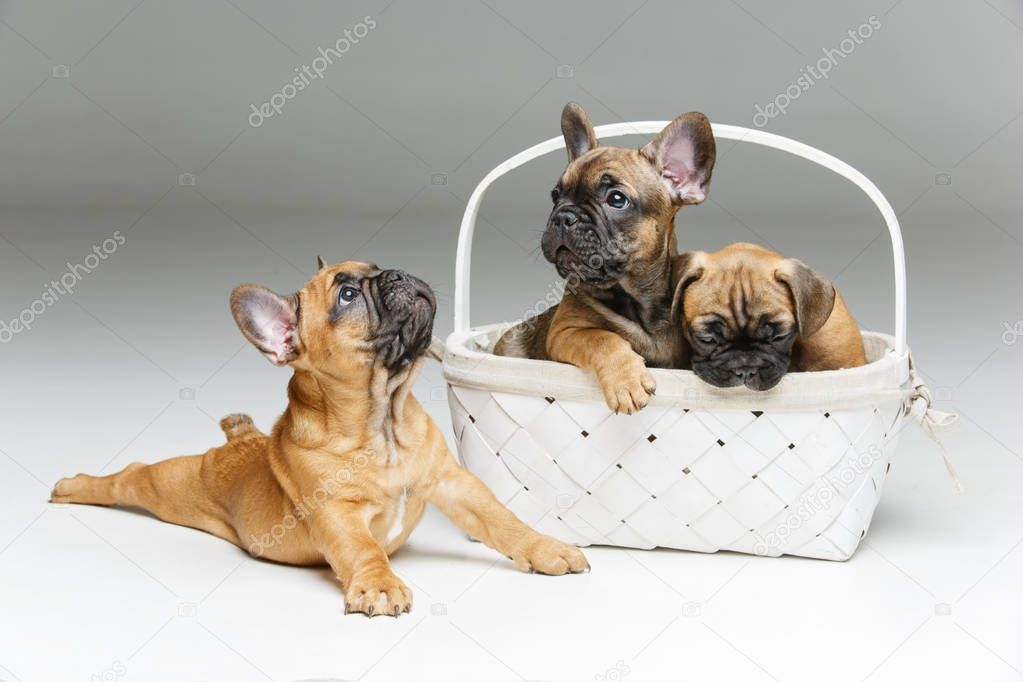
(794, 470)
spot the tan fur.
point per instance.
(740, 284)
(326, 485)
(591, 327)
(588, 333)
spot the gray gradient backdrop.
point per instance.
(132, 118)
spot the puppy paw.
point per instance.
(86, 489)
(546, 555)
(628, 388)
(378, 593)
(64, 490)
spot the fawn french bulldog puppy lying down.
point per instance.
(353, 460)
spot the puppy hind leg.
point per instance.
(86, 489)
(171, 490)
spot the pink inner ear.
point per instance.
(677, 164)
(273, 324)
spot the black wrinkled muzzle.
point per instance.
(581, 249)
(401, 317)
(756, 370)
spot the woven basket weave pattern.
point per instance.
(800, 483)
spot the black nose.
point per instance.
(565, 219)
(745, 373)
(392, 277)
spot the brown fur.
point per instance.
(619, 328)
(745, 284)
(352, 443)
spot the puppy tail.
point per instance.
(237, 426)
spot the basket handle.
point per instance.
(463, 256)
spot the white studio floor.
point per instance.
(932, 594)
(139, 363)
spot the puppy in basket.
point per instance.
(611, 235)
(749, 315)
(347, 471)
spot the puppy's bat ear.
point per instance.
(812, 293)
(683, 155)
(578, 131)
(269, 321)
(320, 263)
(685, 269)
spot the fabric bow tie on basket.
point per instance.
(920, 411)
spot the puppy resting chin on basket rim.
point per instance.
(750, 315)
(347, 471)
(611, 235)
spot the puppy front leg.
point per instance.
(622, 373)
(471, 505)
(341, 532)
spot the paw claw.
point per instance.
(627, 390)
(551, 557)
(376, 593)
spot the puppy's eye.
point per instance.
(347, 295)
(555, 194)
(616, 199)
(783, 335)
(704, 338)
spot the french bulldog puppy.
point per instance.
(611, 235)
(749, 315)
(347, 471)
